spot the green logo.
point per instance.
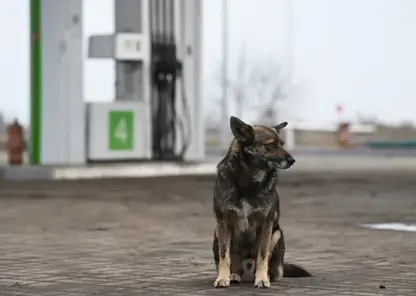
(120, 129)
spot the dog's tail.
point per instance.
(295, 271)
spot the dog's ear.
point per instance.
(242, 131)
(280, 126)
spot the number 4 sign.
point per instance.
(120, 130)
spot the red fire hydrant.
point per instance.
(15, 143)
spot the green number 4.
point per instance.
(120, 130)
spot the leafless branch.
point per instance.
(259, 85)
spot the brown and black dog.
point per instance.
(246, 206)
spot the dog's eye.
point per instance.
(271, 146)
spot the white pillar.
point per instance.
(58, 135)
(188, 17)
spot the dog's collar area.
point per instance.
(250, 181)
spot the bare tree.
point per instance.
(259, 86)
(269, 85)
(239, 83)
(256, 85)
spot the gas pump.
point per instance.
(157, 105)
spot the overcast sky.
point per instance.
(360, 53)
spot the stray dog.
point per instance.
(246, 206)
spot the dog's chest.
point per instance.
(245, 209)
(246, 214)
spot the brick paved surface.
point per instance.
(153, 237)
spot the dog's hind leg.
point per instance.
(215, 250)
(277, 249)
(262, 265)
(223, 234)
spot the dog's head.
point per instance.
(263, 144)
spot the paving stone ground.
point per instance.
(153, 236)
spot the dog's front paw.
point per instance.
(261, 282)
(235, 278)
(222, 282)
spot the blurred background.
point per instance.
(314, 63)
(104, 81)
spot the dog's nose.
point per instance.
(290, 160)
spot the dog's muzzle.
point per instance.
(282, 163)
(276, 162)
